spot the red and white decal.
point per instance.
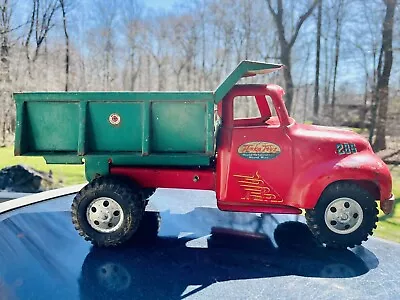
(114, 119)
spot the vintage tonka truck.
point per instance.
(135, 142)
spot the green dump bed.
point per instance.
(120, 123)
(125, 128)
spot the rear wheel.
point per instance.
(344, 216)
(107, 211)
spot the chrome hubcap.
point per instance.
(105, 215)
(343, 215)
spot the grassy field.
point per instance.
(388, 227)
(68, 174)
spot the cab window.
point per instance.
(251, 110)
(245, 107)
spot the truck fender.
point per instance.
(96, 167)
(367, 169)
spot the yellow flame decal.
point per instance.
(256, 189)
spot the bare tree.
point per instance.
(339, 16)
(364, 64)
(185, 37)
(133, 24)
(41, 22)
(327, 51)
(317, 61)
(155, 44)
(67, 58)
(201, 7)
(287, 43)
(365, 41)
(241, 28)
(122, 44)
(221, 43)
(5, 79)
(107, 23)
(383, 72)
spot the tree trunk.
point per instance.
(384, 76)
(364, 108)
(5, 78)
(337, 48)
(316, 90)
(64, 14)
(286, 45)
(132, 69)
(327, 76)
(338, 35)
(375, 98)
(203, 50)
(287, 74)
(149, 78)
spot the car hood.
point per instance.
(330, 134)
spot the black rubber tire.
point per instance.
(129, 198)
(316, 217)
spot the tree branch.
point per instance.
(28, 37)
(271, 9)
(301, 21)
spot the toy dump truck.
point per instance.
(132, 143)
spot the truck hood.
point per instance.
(323, 140)
(327, 133)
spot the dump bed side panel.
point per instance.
(90, 125)
(52, 126)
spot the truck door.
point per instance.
(255, 156)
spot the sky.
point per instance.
(162, 4)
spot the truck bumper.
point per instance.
(387, 205)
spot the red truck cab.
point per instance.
(271, 164)
(294, 162)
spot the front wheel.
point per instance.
(108, 211)
(344, 216)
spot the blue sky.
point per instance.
(163, 4)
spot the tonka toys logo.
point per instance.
(259, 150)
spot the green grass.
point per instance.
(67, 174)
(388, 226)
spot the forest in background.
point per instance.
(341, 56)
